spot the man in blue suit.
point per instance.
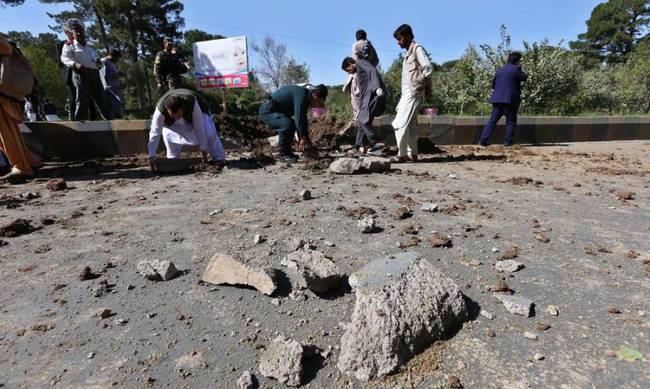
(505, 98)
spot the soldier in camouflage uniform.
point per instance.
(168, 67)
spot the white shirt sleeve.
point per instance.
(102, 75)
(199, 127)
(423, 60)
(66, 56)
(157, 123)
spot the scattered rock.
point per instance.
(295, 244)
(454, 382)
(539, 357)
(542, 326)
(319, 274)
(552, 310)
(305, 195)
(632, 254)
(367, 225)
(429, 207)
(103, 313)
(438, 240)
(500, 286)
(282, 360)
(357, 213)
(403, 304)
(157, 270)
(246, 381)
(258, 239)
(511, 252)
(87, 274)
(490, 333)
(542, 237)
(56, 184)
(516, 304)
(614, 311)
(43, 248)
(16, 228)
(507, 266)
(530, 335)
(625, 195)
(401, 213)
(223, 269)
(486, 314)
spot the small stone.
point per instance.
(507, 266)
(429, 207)
(103, 313)
(90, 355)
(121, 321)
(486, 314)
(542, 326)
(625, 195)
(452, 176)
(87, 274)
(614, 311)
(438, 240)
(246, 381)
(216, 212)
(542, 237)
(367, 225)
(530, 335)
(511, 253)
(56, 184)
(401, 213)
(552, 310)
(157, 270)
(538, 357)
(610, 353)
(305, 195)
(516, 304)
(490, 333)
(454, 382)
(258, 239)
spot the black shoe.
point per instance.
(377, 149)
(483, 143)
(288, 158)
(507, 144)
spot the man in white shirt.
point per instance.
(416, 70)
(82, 58)
(180, 121)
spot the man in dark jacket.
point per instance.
(506, 98)
(372, 102)
(285, 111)
(167, 67)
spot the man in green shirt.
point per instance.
(285, 111)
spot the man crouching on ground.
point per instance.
(285, 111)
(182, 120)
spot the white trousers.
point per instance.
(215, 146)
(405, 124)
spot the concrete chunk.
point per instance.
(516, 304)
(282, 360)
(345, 166)
(375, 164)
(318, 272)
(223, 269)
(403, 304)
(507, 266)
(429, 207)
(157, 270)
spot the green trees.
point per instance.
(613, 31)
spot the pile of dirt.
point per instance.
(324, 132)
(243, 132)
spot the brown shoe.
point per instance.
(414, 158)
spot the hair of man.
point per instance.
(361, 34)
(347, 61)
(404, 30)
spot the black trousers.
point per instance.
(281, 123)
(89, 91)
(366, 135)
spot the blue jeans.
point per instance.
(498, 110)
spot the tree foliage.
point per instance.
(277, 68)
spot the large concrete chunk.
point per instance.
(345, 166)
(403, 304)
(318, 272)
(375, 164)
(157, 270)
(223, 269)
(282, 360)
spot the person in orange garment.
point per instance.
(11, 140)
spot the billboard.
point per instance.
(221, 63)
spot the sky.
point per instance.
(321, 33)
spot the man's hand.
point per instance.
(304, 144)
(79, 67)
(160, 85)
(152, 164)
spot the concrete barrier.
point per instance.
(78, 140)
